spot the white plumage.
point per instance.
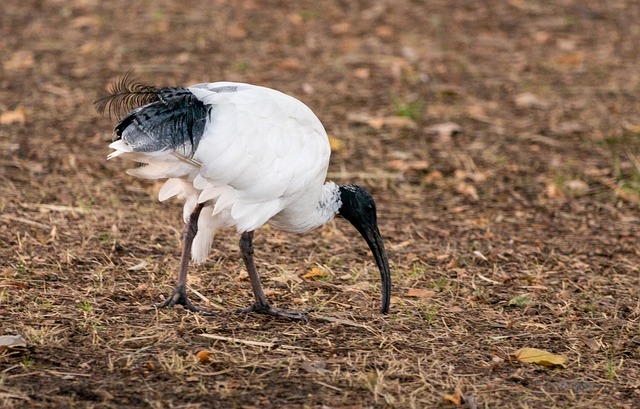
(238, 155)
(271, 155)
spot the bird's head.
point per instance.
(359, 208)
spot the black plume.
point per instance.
(125, 95)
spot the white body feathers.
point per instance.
(263, 157)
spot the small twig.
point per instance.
(488, 280)
(55, 208)
(139, 338)
(206, 300)
(339, 321)
(88, 375)
(335, 388)
(25, 221)
(249, 342)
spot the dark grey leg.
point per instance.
(261, 305)
(179, 295)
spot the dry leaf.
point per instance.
(377, 122)
(319, 367)
(236, 32)
(529, 100)
(420, 293)
(577, 186)
(455, 398)
(287, 278)
(20, 60)
(291, 64)
(361, 73)
(468, 190)
(403, 165)
(203, 356)
(9, 343)
(336, 144)
(572, 58)
(139, 266)
(341, 28)
(446, 129)
(540, 357)
(11, 117)
(315, 272)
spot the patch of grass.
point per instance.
(309, 14)
(86, 307)
(27, 361)
(409, 109)
(440, 283)
(242, 67)
(611, 365)
(520, 301)
(429, 313)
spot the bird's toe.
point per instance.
(296, 315)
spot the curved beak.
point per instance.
(372, 236)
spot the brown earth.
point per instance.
(519, 229)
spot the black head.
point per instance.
(359, 208)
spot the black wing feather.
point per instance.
(158, 119)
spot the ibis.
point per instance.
(239, 155)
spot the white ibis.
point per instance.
(239, 155)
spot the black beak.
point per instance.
(372, 236)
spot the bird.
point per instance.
(238, 155)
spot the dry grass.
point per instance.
(521, 231)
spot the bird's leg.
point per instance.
(179, 295)
(261, 305)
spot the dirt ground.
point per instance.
(500, 139)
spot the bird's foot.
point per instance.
(179, 297)
(296, 315)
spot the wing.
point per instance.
(261, 151)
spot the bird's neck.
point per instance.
(310, 211)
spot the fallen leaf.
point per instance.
(419, 293)
(577, 186)
(319, 367)
(529, 100)
(10, 341)
(468, 190)
(378, 122)
(291, 64)
(203, 356)
(236, 32)
(19, 61)
(570, 59)
(446, 129)
(85, 22)
(361, 73)
(384, 31)
(139, 266)
(336, 144)
(11, 117)
(455, 398)
(432, 177)
(287, 278)
(540, 357)
(591, 343)
(315, 272)
(404, 165)
(341, 28)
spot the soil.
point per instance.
(499, 138)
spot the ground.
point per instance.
(500, 140)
